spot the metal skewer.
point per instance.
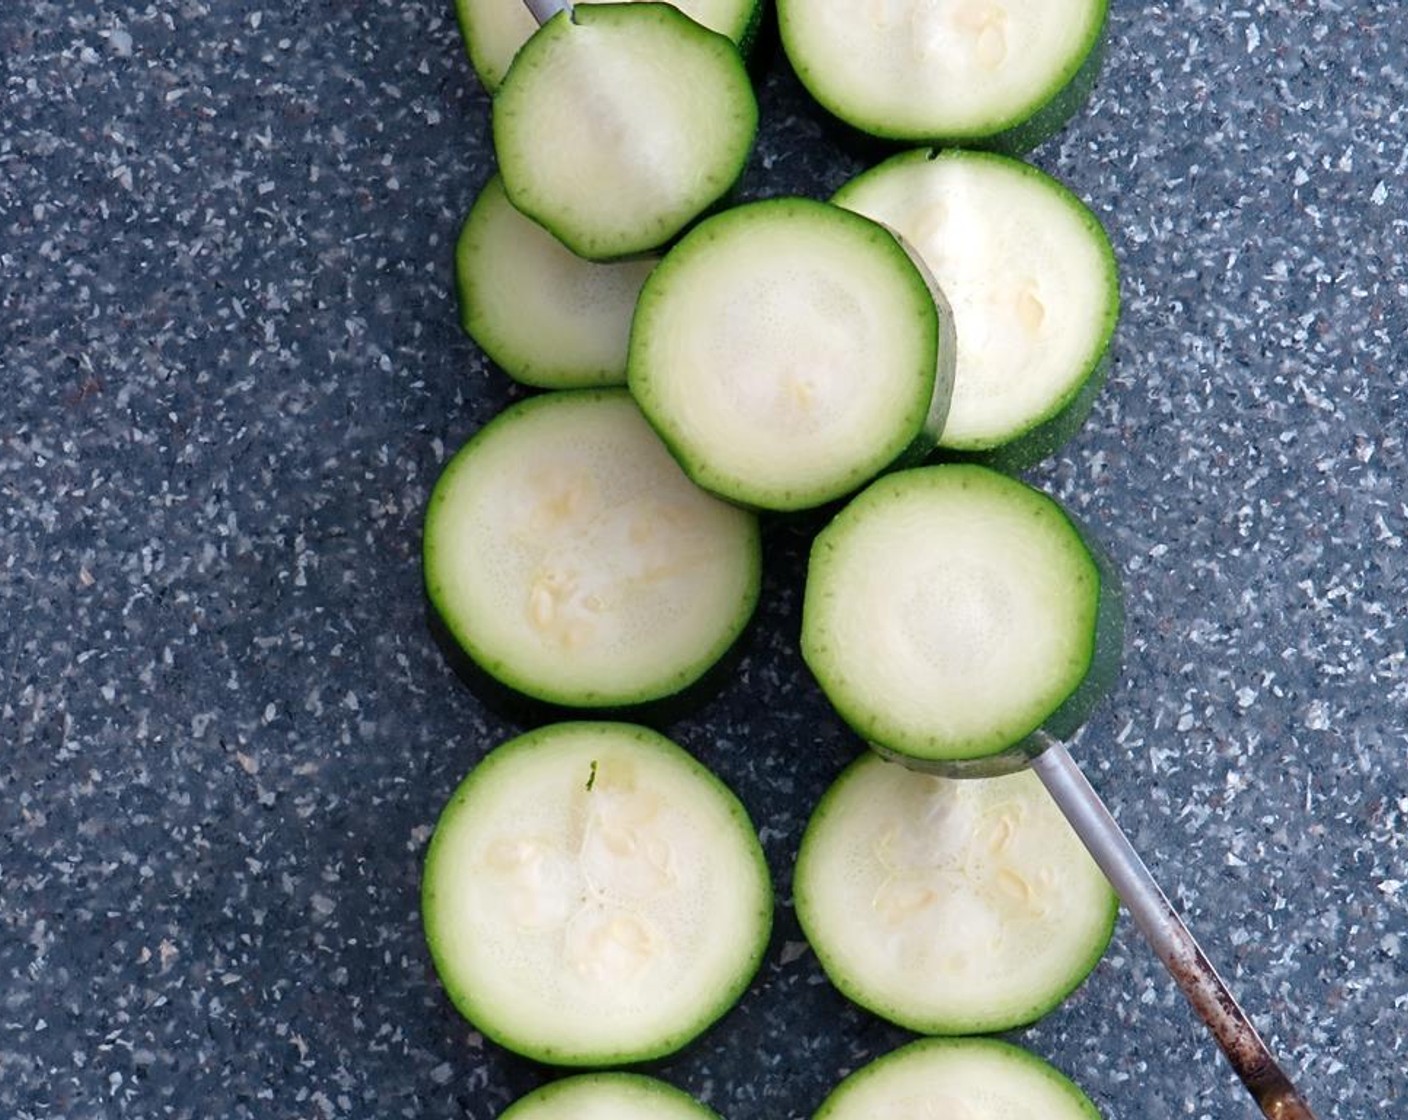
(1166, 933)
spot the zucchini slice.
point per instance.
(494, 30)
(787, 351)
(1033, 284)
(958, 1079)
(546, 316)
(1003, 74)
(592, 895)
(607, 1096)
(573, 561)
(951, 610)
(949, 906)
(618, 124)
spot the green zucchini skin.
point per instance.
(523, 710)
(1100, 680)
(547, 318)
(1046, 437)
(1021, 137)
(1105, 664)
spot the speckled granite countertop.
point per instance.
(231, 371)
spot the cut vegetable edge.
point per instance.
(493, 31)
(934, 704)
(793, 432)
(989, 188)
(631, 763)
(548, 318)
(856, 896)
(619, 1095)
(672, 149)
(967, 1072)
(560, 625)
(898, 115)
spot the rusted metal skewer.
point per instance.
(1170, 938)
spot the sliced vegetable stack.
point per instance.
(594, 896)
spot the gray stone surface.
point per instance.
(230, 371)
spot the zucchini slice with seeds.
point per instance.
(593, 896)
(949, 906)
(1003, 74)
(573, 561)
(1032, 281)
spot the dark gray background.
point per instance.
(230, 371)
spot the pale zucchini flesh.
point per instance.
(494, 30)
(573, 561)
(592, 895)
(958, 1079)
(949, 906)
(608, 1096)
(1032, 281)
(546, 316)
(786, 351)
(951, 610)
(942, 70)
(618, 125)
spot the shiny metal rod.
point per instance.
(544, 10)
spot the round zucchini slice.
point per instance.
(593, 896)
(787, 351)
(494, 30)
(1031, 277)
(951, 610)
(619, 124)
(949, 906)
(958, 1079)
(1004, 74)
(546, 316)
(573, 561)
(608, 1096)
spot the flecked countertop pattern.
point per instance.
(230, 370)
